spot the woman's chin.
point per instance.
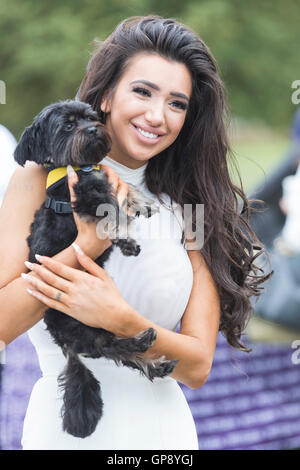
(143, 154)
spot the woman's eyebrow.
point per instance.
(155, 87)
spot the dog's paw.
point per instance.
(144, 340)
(161, 368)
(128, 247)
(124, 349)
(147, 211)
(151, 368)
(165, 368)
(139, 204)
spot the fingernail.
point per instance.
(31, 292)
(28, 265)
(38, 257)
(25, 276)
(70, 171)
(77, 248)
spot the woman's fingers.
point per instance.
(112, 176)
(60, 276)
(122, 192)
(49, 301)
(88, 263)
(72, 179)
(121, 188)
(47, 276)
(53, 271)
(40, 287)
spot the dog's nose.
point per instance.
(92, 130)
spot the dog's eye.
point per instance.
(90, 118)
(69, 126)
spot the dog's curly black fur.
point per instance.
(63, 133)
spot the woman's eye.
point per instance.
(142, 91)
(145, 92)
(180, 105)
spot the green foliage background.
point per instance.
(45, 47)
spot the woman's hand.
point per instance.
(90, 297)
(87, 234)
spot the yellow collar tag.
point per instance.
(59, 173)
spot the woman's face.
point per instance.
(152, 95)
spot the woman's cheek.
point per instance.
(176, 133)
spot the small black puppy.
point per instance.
(63, 133)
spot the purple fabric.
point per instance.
(296, 126)
(20, 371)
(250, 401)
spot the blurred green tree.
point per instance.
(256, 47)
(46, 45)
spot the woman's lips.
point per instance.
(143, 138)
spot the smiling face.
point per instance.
(148, 108)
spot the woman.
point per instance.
(156, 87)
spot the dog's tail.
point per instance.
(83, 406)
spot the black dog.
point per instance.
(69, 132)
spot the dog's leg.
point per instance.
(139, 204)
(151, 368)
(111, 220)
(136, 204)
(83, 405)
(94, 201)
(121, 234)
(127, 351)
(123, 237)
(123, 348)
(128, 247)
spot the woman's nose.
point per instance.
(155, 116)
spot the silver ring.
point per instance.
(58, 295)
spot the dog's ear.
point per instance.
(31, 146)
(24, 149)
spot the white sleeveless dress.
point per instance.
(137, 414)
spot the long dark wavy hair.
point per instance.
(194, 169)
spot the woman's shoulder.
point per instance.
(25, 193)
(33, 169)
(27, 184)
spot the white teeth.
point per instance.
(147, 134)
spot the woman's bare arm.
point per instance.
(93, 298)
(195, 345)
(25, 193)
